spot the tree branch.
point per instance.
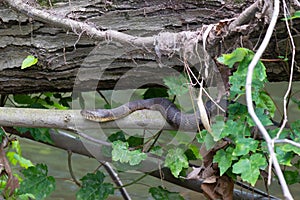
(79, 27)
(72, 120)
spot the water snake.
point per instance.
(169, 111)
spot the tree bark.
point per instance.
(63, 53)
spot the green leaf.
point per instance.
(235, 129)
(264, 101)
(23, 99)
(26, 196)
(121, 153)
(134, 141)
(29, 61)
(119, 135)
(238, 79)
(177, 85)
(237, 55)
(93, 187)
(39, 134)
(155, 92)
(244, 146)
(2, 134)
(291, 177)
(249, 167)
(157, 150)
(296, 128)
(217, 128)
(294, 16)
(159, 193)
(195, 150)
(292, 148)
(209, 141)
(224, 159)
(15, 158)
(283, 157)
(37, 182)
(176, 160)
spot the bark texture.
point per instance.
(62, 53)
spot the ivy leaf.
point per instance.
(195, 151)
(29, 61)
(294, 16)
(159, 193)
(235, 129)
(217, 128)
(209, 141)
(121, 153)
(244, 146)
(236, 56)
(249, 167)
(224, 159)
(177, 85)
(264, 101)
(134, 141)
(296, 128)
(283, 157)
(23, 99)
(176, 160)
(119, 135)
(157, 150)
(291, 177)
(37, 182)
(289, 147)
(38, 134)
(15, 158)
(93, 187)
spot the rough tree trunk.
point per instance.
(62, 52)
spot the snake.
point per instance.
(176, 118)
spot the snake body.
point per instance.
(168, 110)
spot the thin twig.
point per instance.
(103, 97)
(71, 169)
(285, 99)
(288, 142)
(251, 111)
(114, 176)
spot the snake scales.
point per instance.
(169, 111)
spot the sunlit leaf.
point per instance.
(121, 153)
(236, 56)
(29, 61)
(283, 157)
(294, 16)
(15, 158)
(244, 146)
(224, 159)
(249, 168)
(176, 160)
(177, 85)
(217, 128)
